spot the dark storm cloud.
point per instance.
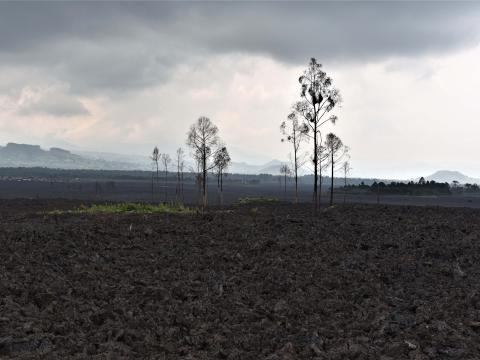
(121, 46)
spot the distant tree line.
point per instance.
(421, 187)
(465, 188)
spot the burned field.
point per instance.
(263, 282)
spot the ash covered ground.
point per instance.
(262, 282)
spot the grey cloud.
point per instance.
(51, 101)
(119, 46)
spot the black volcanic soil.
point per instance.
(356, 282)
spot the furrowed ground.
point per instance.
(249, 282)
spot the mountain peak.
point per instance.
(450, 176)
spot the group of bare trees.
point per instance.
(209, 153)
(164, 160)
(304, 124)
(295, 133)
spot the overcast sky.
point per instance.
(124, 77)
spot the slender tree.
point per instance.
(203, 140)
(155, 159)
(318, 98)
(166, 160)
(180, 166)
(221, 161)
(295, 133)
(285, 171)
(334, 146)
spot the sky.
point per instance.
(126, 76)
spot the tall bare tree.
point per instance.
(334, 146)
(166, 160)
(203, 139)
(319, 98)
(222, 160)
(180, 166)
(295, 133)
(155, 159)
(285, 171)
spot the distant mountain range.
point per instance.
(24, 155)
(450, 176)
(144, 163)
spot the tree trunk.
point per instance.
(181, 186)
(156, 163)
(285, 186)
(166, 177)
(177, 187)
(320, 185)
(221, 188)
(331, 181)
(296, 187)
(218, 187)
(296, 169)
(315, 165)
(204, 163)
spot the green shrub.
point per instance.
(127, 208)
(251, 200)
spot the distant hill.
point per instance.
(24, 155)
(449, 176)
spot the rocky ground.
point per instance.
(264, 282)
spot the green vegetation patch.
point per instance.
(249, 200)
(127, 208)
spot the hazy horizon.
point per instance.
(122, 77)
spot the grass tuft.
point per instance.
(249, 200)
(127, 208)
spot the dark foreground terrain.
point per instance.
(271, 282)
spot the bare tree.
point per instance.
(285, 171)
(222, 160)
(155, 159)
(166, 160)
(295, 133)
(203, 139)
(319, 97)
(180, 166)
(334, 146)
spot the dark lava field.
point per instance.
(251, 282)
